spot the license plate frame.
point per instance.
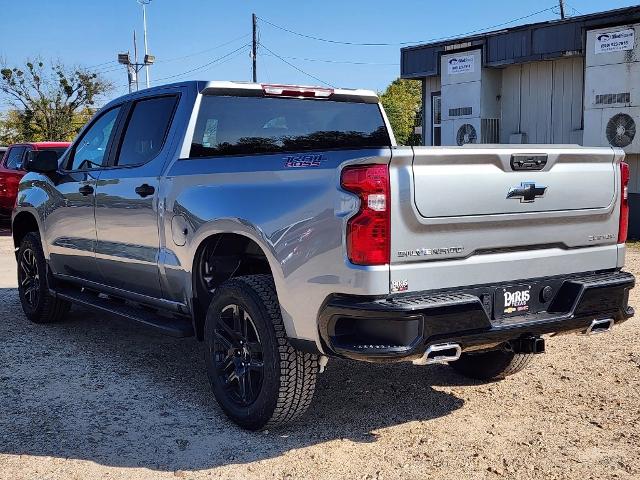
(516, 300)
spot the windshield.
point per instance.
(253, 125)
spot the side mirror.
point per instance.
(41, 161)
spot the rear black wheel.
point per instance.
(37, 302)
(237, 353)
(258, 378)
(491, 364)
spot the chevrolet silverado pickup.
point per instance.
(282, 226)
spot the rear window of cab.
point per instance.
(262, 125)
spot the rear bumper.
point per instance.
(401, 327)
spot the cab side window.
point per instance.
(146, 130)
(91, 150)
(14, 158)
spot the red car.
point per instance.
(11, 169)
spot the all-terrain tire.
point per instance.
(37, 302)
(288, 376)
(491, 364)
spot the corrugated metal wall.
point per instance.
(543, 100)
(634, 165)
(431, 85)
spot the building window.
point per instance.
(436, 119)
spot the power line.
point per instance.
(204, 51)
(573, 9)
(347, 62)
(108, 67)
(108, 70)
(365, 44)
(215, 60)
(101, 64)
(295, 67)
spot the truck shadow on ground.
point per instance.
(5, 227)
(101, 389)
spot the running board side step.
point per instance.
(173, 327)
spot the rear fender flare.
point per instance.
(247, 229)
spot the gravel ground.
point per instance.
(97, 397)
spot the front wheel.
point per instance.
(491, 364)
(258, 378)
(37, 303)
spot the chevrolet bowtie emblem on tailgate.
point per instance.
(527, 192)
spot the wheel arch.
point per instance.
(227, 244)
(22, 223)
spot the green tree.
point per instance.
(49, 103)
(11, 128)
(402, 101)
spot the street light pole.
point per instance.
(134, 68)
(144, 4)
(135, 57)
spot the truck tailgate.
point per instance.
(476, 183)
(479, 214)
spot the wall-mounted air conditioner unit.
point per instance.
(470, 108)
(612, 88)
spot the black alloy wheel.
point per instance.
(38, 302)
(29, 277)
(258, 378)
(238, 355)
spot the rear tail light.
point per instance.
(369, 231)
(295, 91)
(624, 203)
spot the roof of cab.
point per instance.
(239, 87)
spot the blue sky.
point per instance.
(189, 34)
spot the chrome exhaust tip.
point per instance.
(600, 326)
(440, 353)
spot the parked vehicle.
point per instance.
(11, 169)
(282, 225)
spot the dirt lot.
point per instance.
(96, 397)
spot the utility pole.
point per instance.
(254, 48)
(144, 4)
(562, 15)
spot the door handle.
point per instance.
(86, 190)
(145, 190)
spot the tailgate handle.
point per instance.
(528, 161)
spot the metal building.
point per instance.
(574, 81)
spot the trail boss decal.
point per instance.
(303, 160)
(615, 41)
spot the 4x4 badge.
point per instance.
(527, 192)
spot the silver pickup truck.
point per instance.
(282, 226)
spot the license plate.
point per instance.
(514, 300)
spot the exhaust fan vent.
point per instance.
(466, 134)
(621, 129)
(611, 98)
(461, 111)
